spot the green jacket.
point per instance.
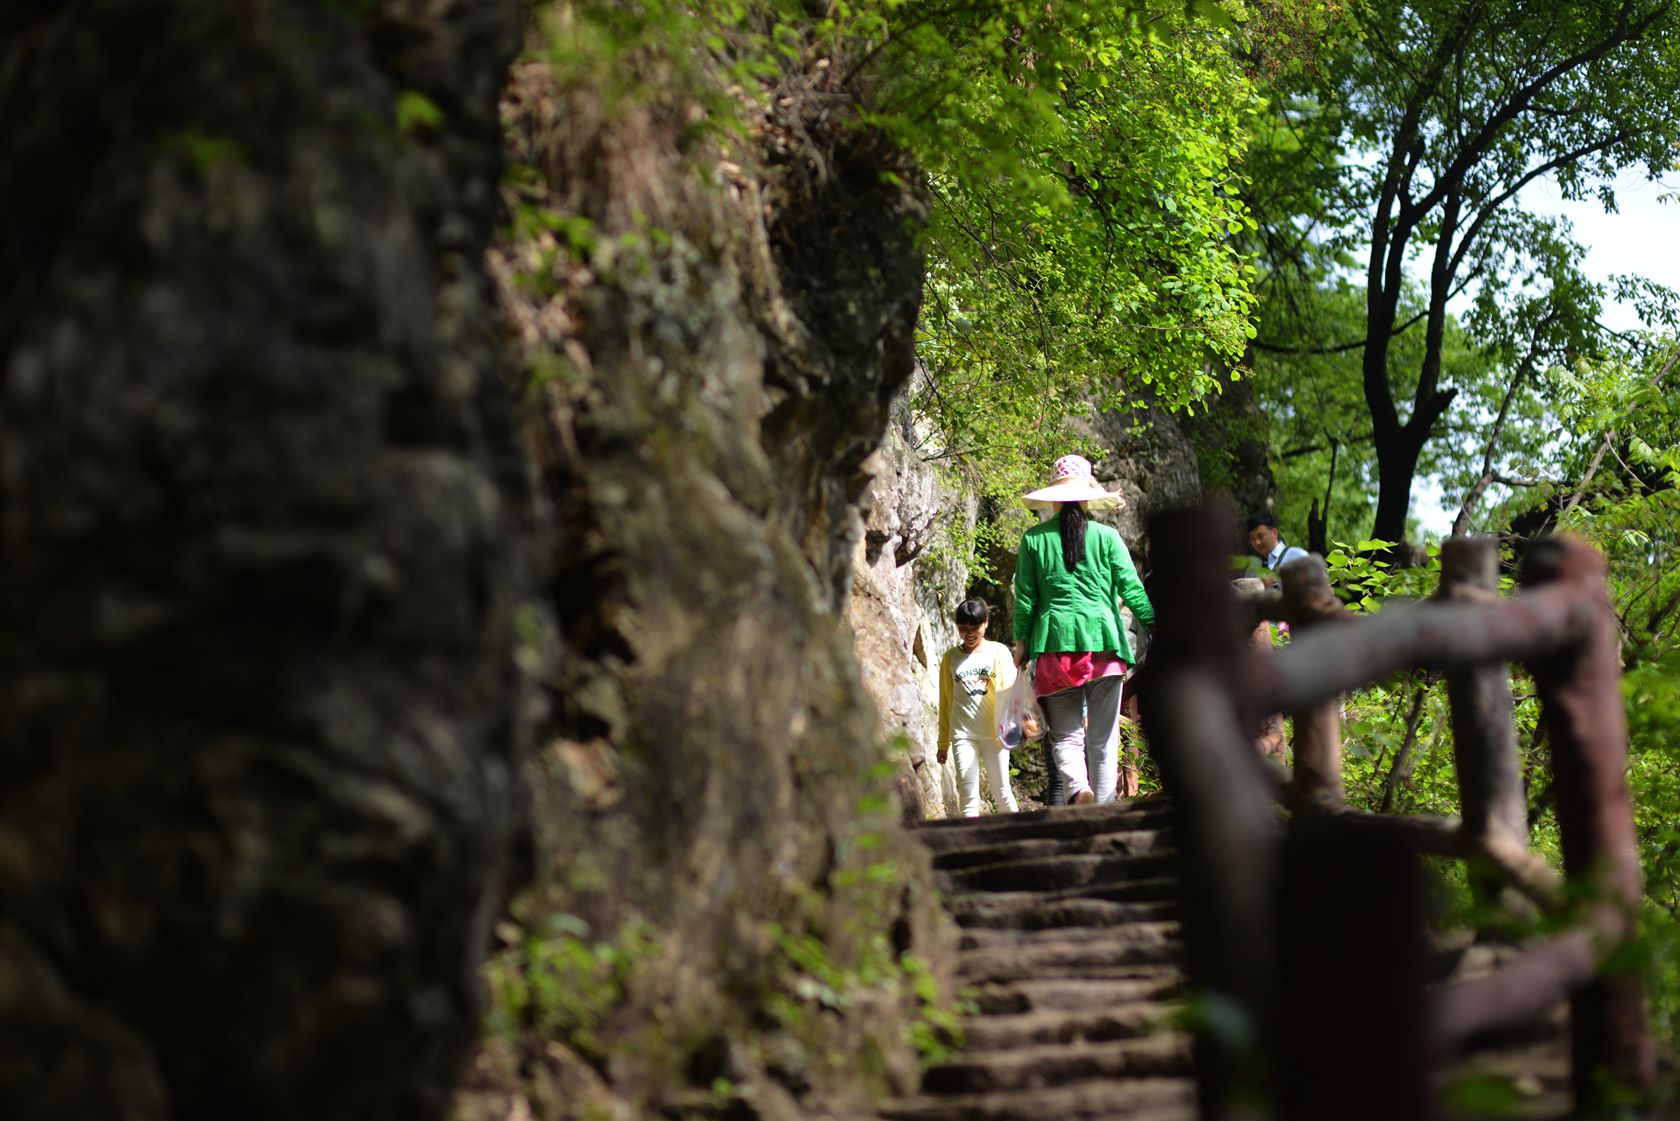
(1059, 610)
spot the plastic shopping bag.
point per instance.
(1019, 719)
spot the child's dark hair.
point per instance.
(971, 613)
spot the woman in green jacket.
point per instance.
(1070, 575)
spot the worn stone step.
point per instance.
(1028, 910)
(1138, 931)
(1138, 1099)
(1058, 963)
(1126, 842)
(1072, 957)
(1056, 873)
(1119, 889)
(1062, 822)
(1033, 1029)
(1073, 994)
(1162, 1055)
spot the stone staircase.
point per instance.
(1070, 948)
(1070, 953)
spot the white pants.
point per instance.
(969, 758)
(1085, 757)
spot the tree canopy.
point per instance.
(1393, 172)
(1080, 162)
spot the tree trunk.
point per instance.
(1397, 458)
(257, 700)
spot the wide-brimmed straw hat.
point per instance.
(1071, 481)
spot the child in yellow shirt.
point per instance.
(972, 675)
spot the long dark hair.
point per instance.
(1073, 534)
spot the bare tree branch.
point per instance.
(1491, 207)
(1592, 469)
(1461, 524)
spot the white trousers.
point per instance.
(1083, 726)
(969, 758)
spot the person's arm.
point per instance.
(1026, 598)
(1129, 588)
(946, 687)
(1004, 673)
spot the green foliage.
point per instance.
(1360, 577)
(555, 981)
(1621, 415)
(1398, 746)
(1003, 518)
(836, 958)
(702, 55)
(1312, 397)
(1385, 183)
(1620, 455)
(1483, 1095)
(815, 983)
(206, 153)
(417, 113)
(936, 1032)
(1079, 160)
(1080, 241)
(1553, 424)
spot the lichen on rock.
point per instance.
(715, 323)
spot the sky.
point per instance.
(1639, 238)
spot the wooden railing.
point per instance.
(1306, 945)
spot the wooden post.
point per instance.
(1492, 804)
(1431, 635)
(1309, 603)
(1194, 717)
(1271, 738)
(1581, 705)
(1352, 1038)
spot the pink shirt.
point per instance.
(1058, 670)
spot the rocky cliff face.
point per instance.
(714, 339)
(1230, 442)
(1149, 459)
(900, 605)
(261, 522)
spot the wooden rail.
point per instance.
(1269, 917)
(1199, 731)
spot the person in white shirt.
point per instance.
(1269, 547)
(972, 675)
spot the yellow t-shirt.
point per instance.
(969, 685)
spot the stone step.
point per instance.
(1112, 957)
(1138, 1099)
(1137, 931)
(1073, 994)
(1028, 910)
(1129, 842)
(1163, 1055)
(1062, 822)
(1051, 874)
(1032, 1029)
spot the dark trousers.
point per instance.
(1056, 793)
